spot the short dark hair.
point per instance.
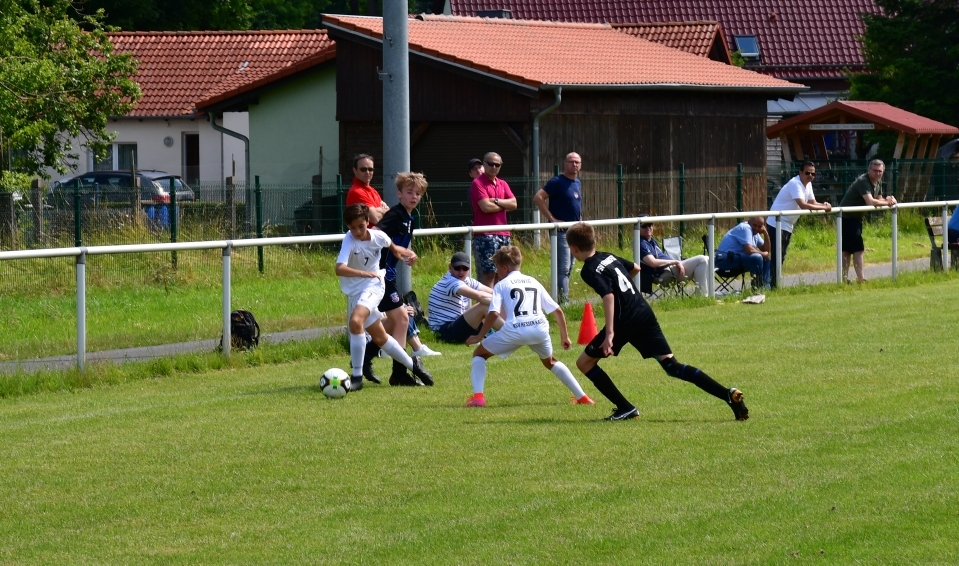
(358, 156)
(807, 164)
(354, 211)
(582, 236)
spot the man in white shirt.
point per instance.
(797, 194)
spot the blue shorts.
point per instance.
(484, 246)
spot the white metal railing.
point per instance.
(81, 253)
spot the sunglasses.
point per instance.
(494, 164)
(808, 174)
(365, 169)
(460, 268)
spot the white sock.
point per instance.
(357, 351)
(393, 348)
(564, 375)
(478, 374)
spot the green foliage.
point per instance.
(11, 181)
(912, 52)
(59, 79)
(737, 59)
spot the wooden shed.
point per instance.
(479, 84)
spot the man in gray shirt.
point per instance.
(860, 193)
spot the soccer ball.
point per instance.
(335, 383)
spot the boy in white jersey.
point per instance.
(361, 280)
(523, 303)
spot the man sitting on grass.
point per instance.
(451, 316)
(629, 320)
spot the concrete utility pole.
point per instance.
(396, 107)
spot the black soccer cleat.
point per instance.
(371, 351)
(399, 377)
(737, 404)
(356, 383)
(420, 372)
(623, 414)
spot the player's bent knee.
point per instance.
(549, 362)
(672, 367)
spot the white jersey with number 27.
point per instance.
(522, 300)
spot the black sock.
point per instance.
(606, 386)
(700, 379)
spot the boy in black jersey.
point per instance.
(630, 320)
(397, 222)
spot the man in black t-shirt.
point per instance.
(630, 320)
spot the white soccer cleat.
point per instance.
(425, 351)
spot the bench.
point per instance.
(934, 229)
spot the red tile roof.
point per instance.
(798, 38)
(879, 113)
(527, 53)
(697, 38)
(178, 69)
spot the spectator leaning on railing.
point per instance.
(797, 194)
(860, 193)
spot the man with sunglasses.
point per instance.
(490, 198)
(797, 194)
(362, 193)
(450, 315)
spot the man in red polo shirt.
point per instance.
(490, 198)
(362, 193)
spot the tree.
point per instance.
(912, 53)
(58, 81)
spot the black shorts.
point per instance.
(645, 335)
(852, 235)
(391, 298)
(457, 331)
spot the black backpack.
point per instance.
(419, 315)
(244, 330)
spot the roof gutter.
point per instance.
(558, 91)
(680, 86)
(237, 135)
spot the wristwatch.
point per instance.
(496, 201)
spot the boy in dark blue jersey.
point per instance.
(630, 320)
(398, 225)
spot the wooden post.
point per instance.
(36, 199)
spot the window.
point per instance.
(119, 157)
(747, 45)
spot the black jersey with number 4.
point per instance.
(607, 273)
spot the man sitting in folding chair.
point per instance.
(668, 269)
(746, 248)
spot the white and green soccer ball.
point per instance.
(335, 383)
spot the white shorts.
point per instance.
(370, 298)
(507, 340)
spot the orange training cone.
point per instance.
(587, 328)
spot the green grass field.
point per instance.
(850, 455)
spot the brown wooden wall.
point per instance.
(435, 94)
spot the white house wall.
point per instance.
(216, 150)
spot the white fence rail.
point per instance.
(81, 253)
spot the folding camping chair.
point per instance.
(726, 278)
(666, 285)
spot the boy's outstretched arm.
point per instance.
(405, 254)
(487, 325)
(561, 323)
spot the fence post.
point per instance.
(895, 242)
(839, 273)
(739, 187)
(945, 238)
(227, 300)
(36, 199)
(340, 197)
(895, 177)
(619, 200)
(174, 220)
(77, 230)
(468, 247)
(554, 263)
(81, 311)
(259, 222)
(711, 250)
(637, 251)
(682, 198)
